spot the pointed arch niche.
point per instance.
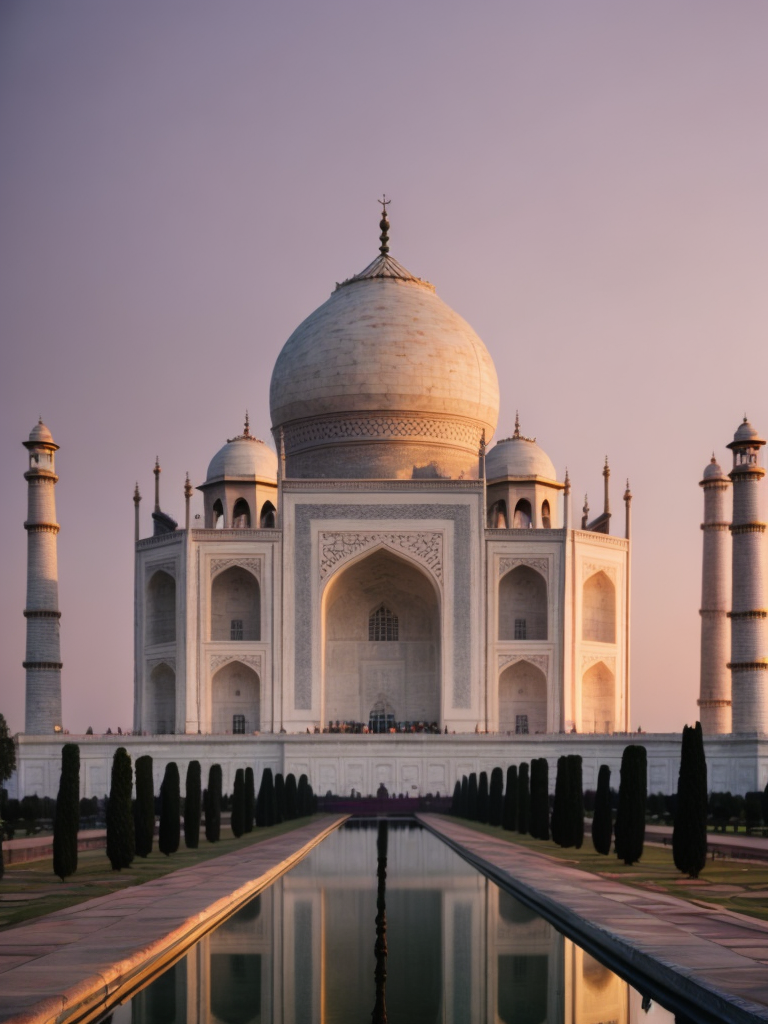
(522, 699)
(367, 669)
(161, 609)
(523, 605)
(598, 699)
(235, 699)
(235, 605)
(161, 703)
(599, 609)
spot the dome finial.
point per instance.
(517, 424)
(384, 225)
(246, 428)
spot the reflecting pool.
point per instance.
(444, 944)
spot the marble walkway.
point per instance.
(711, 958)
(63, 966)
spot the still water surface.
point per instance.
(458, 950)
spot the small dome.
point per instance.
(243, 458)
(518, 456)
(747, 432)
(40, 434)
(713, 471)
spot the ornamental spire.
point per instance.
(247, 427)
(384, 225)
(517, 424)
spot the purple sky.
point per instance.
(181, 183)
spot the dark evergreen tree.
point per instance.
(265, 803)
(250, 799)
(602, 821)
(456, 801)
(539, 813)
(238, 804)
(482, 798)
(689, 836)
(523, 799)
(169, 832)
(213, 805)
(464, 801)
(291, 797)
(144, 807)
(629, 830)
(192, 805)
(764, 804)
(509, 814)
(121, 842)
(496, 797)
(302, 801)
(67, 818)
(575, 800)
(560, 822)
(472, 797)
(280, 808)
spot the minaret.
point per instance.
(749, 632)
(715, 681)
(43, 660)
(567, 502)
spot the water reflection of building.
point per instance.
(461, 951)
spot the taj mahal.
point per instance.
(387, 596)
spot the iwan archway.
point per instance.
(381, 641)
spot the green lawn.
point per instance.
(733, 884)
(31, 890)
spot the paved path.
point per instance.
(64, 966)
(726, 844)
(19, 851)
(713, 958)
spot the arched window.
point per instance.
(546, 518)
(497, 516)
(383, 624)
(241, 515)
(523, 605)
(161, 609)
(235, 699)
(522, 699)
(599, 609)
(523, 515)
(235, 605)
(218, 515)
(267, 516)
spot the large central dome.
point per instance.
(384, 381)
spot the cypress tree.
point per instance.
(539, 814)
(456, 801)
(250, 799)
(464, 801)
(689, 836)
(238, 804)
(602, 823)
(496, 797)
(170, 810)
(509, 814)
(280, 814)
(213, 805)
(482, 798)
(629, 830)
(67, 818)
(472, 797)
(291, 798)
(560, 822)
(121, 847)
(523, 799)
(303, 797)
(575, 800)
(265, 804)
(144, 808)
(764, 804)
(192, 805)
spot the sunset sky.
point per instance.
(182, 182)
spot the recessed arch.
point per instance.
(546, 515)
(497, 515)
(522, 699)
(161, 608)
(599, 609)
(523, 605)
(161, 701)
(241, 515)
(361, 674)
(267, 516)
(598, 699)
(235, 699)
(235, 605)
(217, 512)
(523, 516)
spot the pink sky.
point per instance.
(181, 183)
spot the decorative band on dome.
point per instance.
(310, 432)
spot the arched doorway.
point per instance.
(235, 605)
(598, 699)
(599, 609)
(382, 643)
(522, 699)
(235, 699)
(161, 608)
(523, 605)
(160, 718)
